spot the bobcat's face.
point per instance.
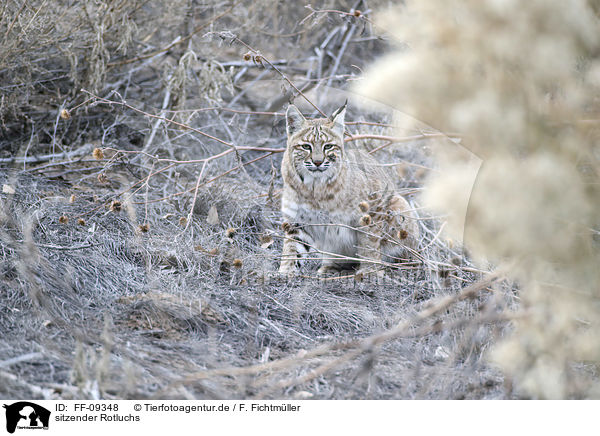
(317, 152)
(315, 147)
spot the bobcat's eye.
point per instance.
(306, 146)
(328, 146)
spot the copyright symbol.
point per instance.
(137, 407)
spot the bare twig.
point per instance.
(189, 217)
(158, 117)
(57, 247)
(352, 13)
(347, 37)
(260, 57)
(12, 23)
(81, 151)
(19, 359)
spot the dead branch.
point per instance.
(261, 58)
(158, 117)
(81, 151)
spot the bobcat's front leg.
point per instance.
(368, 250)
(289, 254)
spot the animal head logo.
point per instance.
(24, 414)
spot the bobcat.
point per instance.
(338, 201)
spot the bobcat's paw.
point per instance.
(325, 270)
(369, 274)
(286, 268)
(286, 271)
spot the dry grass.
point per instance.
(140, 229)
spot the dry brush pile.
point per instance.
(140, 227)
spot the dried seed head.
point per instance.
(230, 232)
(115, 206)
(266, 241)
(63, 219)
(144, 227)
(237, 263)
(287, 227)
(214, 251)
(183, 221)
(363, 206)
(102, 178)
(401, 170)
(72, 198)
(98, 154)
(357, 13)
(81, 222)
(65, 114)
(247, 56)
(365, 220)
(420, 173)
(402, 234)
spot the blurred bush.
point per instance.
(520, 80)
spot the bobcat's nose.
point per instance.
(317, 162)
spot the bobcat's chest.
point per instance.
(328, 231)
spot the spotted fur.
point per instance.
(338, 201)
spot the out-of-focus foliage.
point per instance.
(521, 81)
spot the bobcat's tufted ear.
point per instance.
(294, 119)
(338, 119)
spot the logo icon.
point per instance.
(26, 415)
